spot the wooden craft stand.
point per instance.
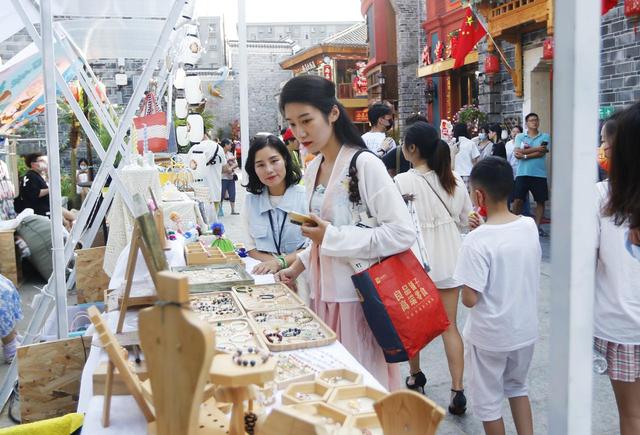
(198, 254)
(137, 242)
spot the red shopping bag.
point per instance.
(152, 125)
(401, 304)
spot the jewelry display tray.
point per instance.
(226, 343)
(250, 297)
(212, 317)
(216, 283)
(262, 326)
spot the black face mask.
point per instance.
(390, 126)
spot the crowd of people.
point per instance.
(469, 195)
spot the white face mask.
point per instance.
(83, 167)
(482, 136)
(504, 135)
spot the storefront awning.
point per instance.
(445, 65)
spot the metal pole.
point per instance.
(53, 151)
(575, 108)
(244, 83)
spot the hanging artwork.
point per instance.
(360, 80)
(439, 51)
(426, 55)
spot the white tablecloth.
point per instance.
(137, 180)
(126, 417)
(186, 208)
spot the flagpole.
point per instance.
(478, 16)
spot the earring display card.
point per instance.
(296, 328)
(216, 306)
(267, 297)
(215, 277)
(236, 334)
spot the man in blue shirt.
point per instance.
(531, 150)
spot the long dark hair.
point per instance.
(624, 173)
(292, 175)
(321, 94)
(434, 150)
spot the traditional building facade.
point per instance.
(446, 89)
(340, 58)
(302, 34)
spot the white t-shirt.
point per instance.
(511, 158)
(617, 294)
(374, 141)
(208, 175)
(502, 263)
(467, 151)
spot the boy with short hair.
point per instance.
(499, 265)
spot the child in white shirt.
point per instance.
(499, 265)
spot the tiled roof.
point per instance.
(355, 35)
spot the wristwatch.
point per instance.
(525, 157)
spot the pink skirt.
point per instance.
(348, 321)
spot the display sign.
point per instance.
(446, 130)
(326, 72)
(361, 115)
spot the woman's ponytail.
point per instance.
(435, 151)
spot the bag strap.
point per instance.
(398, 153)
(212, 160)
(438, 196)
(353, 170)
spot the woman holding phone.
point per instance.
(355, 214)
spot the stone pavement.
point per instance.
(434, 362)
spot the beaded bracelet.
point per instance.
(237, 357)
(271, 336)
(291, 332)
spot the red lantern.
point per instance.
(547, 48)
(631, 8)
(491, 64)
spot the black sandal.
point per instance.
(419, 381)
(458, 405)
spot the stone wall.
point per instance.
(497, 95)
(620, 60)
(265, 81)
(409, 17)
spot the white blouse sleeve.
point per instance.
(394, 232)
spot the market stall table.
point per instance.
(126, 417)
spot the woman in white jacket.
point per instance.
(442, 205)
(341, 231)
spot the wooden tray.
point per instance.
(198, 254)
(282, 320)
(252, 297)
(228, 302)
(229, 335)
(339, 378)
(317, 412)
(212, 277)
(369, 423)
(355, 400)
(290, 370)
(306, 392)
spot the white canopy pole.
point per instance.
(53, 151)
(575, 117)
(244, 82)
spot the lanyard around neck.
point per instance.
(273, 231)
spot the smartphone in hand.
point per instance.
(300, 219)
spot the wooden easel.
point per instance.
(117, 360)
(137, 242)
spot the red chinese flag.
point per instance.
(607, 5)
(471, 31)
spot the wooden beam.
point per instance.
(516, 73)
